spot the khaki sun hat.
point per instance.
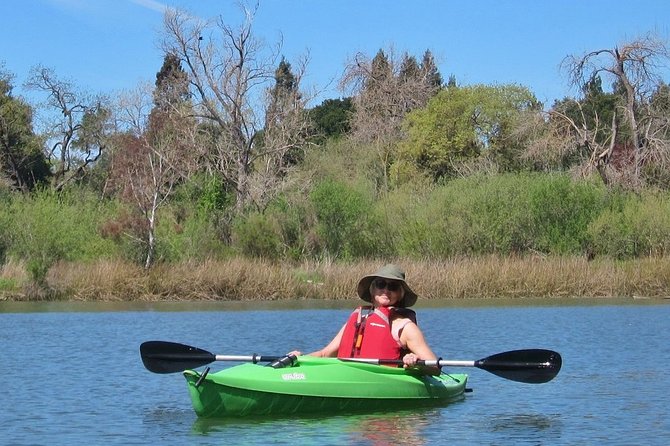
(391, 272)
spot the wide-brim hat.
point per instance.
(391, 272)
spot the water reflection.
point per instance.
(166, 422)
(405, 428)
(526, 426)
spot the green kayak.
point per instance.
(317, 385)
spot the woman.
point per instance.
(386, 329)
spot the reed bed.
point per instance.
(253, 279)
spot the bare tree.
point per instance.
(229, 70)
(156, 152)
(284, 138)
(384, 89)
(79, 131)
(633, 67)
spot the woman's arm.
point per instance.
(412, 337)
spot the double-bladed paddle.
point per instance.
(528, 366)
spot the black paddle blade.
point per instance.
(534, 366)
(170, 357)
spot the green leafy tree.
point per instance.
(460, 124)
(22, 162)
(172, 86)
(332, 118)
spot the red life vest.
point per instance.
(368, 333)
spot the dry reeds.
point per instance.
(248, 279)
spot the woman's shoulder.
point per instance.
(405, 313)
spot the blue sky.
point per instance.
(105, 46)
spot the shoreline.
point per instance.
(256, 280)
(71, 306)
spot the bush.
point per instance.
(193, 236)
(344, 216)
(562, 210)
(293, 216)
(46, 227)
(640, 227)
(256, 235)
(504, 214)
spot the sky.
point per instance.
(107, 46)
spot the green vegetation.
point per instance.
(66, 243)
(198, 188)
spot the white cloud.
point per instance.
(152, 4)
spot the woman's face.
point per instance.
(386, 292)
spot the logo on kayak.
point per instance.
(292, 376)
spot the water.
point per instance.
(73, 375)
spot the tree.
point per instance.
(460, 124)
(431, 73)
(655, 123)
(157, 150)
(229, 71)
(172, 84)
(384, 89)
(378, 109)
(579, 134)
(409, 68)
(22, 163)
(282, 134)
(633, 68)
(332, 118)
(281, 144)
(78, 130)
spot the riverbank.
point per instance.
(249, 279)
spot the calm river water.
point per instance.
(73, 375)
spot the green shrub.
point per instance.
(508, 213)
(193, 236)
(293, 216)
(562, 210)
(46, 227)
(641, 227)
(344, 216)
(7, 284)
(256, 235)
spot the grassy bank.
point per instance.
(245, 279)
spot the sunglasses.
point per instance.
(380, 284)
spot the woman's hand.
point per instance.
(295, 353)
(409, 360)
